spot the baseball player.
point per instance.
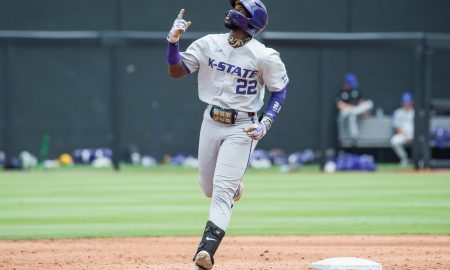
(351, 105)
(403, 121)
(233, 71)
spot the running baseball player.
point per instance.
(233, 71)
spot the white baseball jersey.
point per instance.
(404, 119)
(234, 78)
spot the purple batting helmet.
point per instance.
(258, 17)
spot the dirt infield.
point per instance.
(246, 253)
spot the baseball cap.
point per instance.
(407, 98)
(351, 80)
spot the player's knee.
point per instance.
(395, 141)
(368, 104)
(223, 194)
(207, 193)
(207, 189)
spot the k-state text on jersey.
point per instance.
(232, 69)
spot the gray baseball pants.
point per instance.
(398, 142)
(223, 154)
(350, 119)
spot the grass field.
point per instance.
(166, 201)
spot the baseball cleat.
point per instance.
(239, 192)
(203, 261)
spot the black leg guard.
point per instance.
(212, 236)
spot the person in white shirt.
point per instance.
(403, 121)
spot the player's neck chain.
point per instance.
(236, 43)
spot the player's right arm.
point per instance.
(176, 68)
(341, 105)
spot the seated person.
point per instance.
(403, 121)
(351, 105)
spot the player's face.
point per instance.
(408, 106)
(239, 8)
(346, 86)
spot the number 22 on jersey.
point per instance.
(245, 87)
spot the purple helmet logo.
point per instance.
(258, 17)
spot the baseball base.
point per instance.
(346, 263)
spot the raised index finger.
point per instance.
(180, 16)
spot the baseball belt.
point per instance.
(225, 116)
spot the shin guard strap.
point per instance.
(212, 236)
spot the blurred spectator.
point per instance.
(260, 159)
(351, 105)
(352, 162)
(403, 121)
(88, 155)
(278, 156)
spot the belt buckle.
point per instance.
(221, 115)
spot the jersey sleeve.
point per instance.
(191, 57)
(274, 72)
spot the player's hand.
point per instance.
(179, 27)
(258, 130)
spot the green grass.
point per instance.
(167, 201)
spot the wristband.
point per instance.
(267, 122)
(173, 53)
(275, 102)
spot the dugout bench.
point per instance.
(377, 131)
(374, 132)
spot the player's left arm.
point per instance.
(276, 79)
